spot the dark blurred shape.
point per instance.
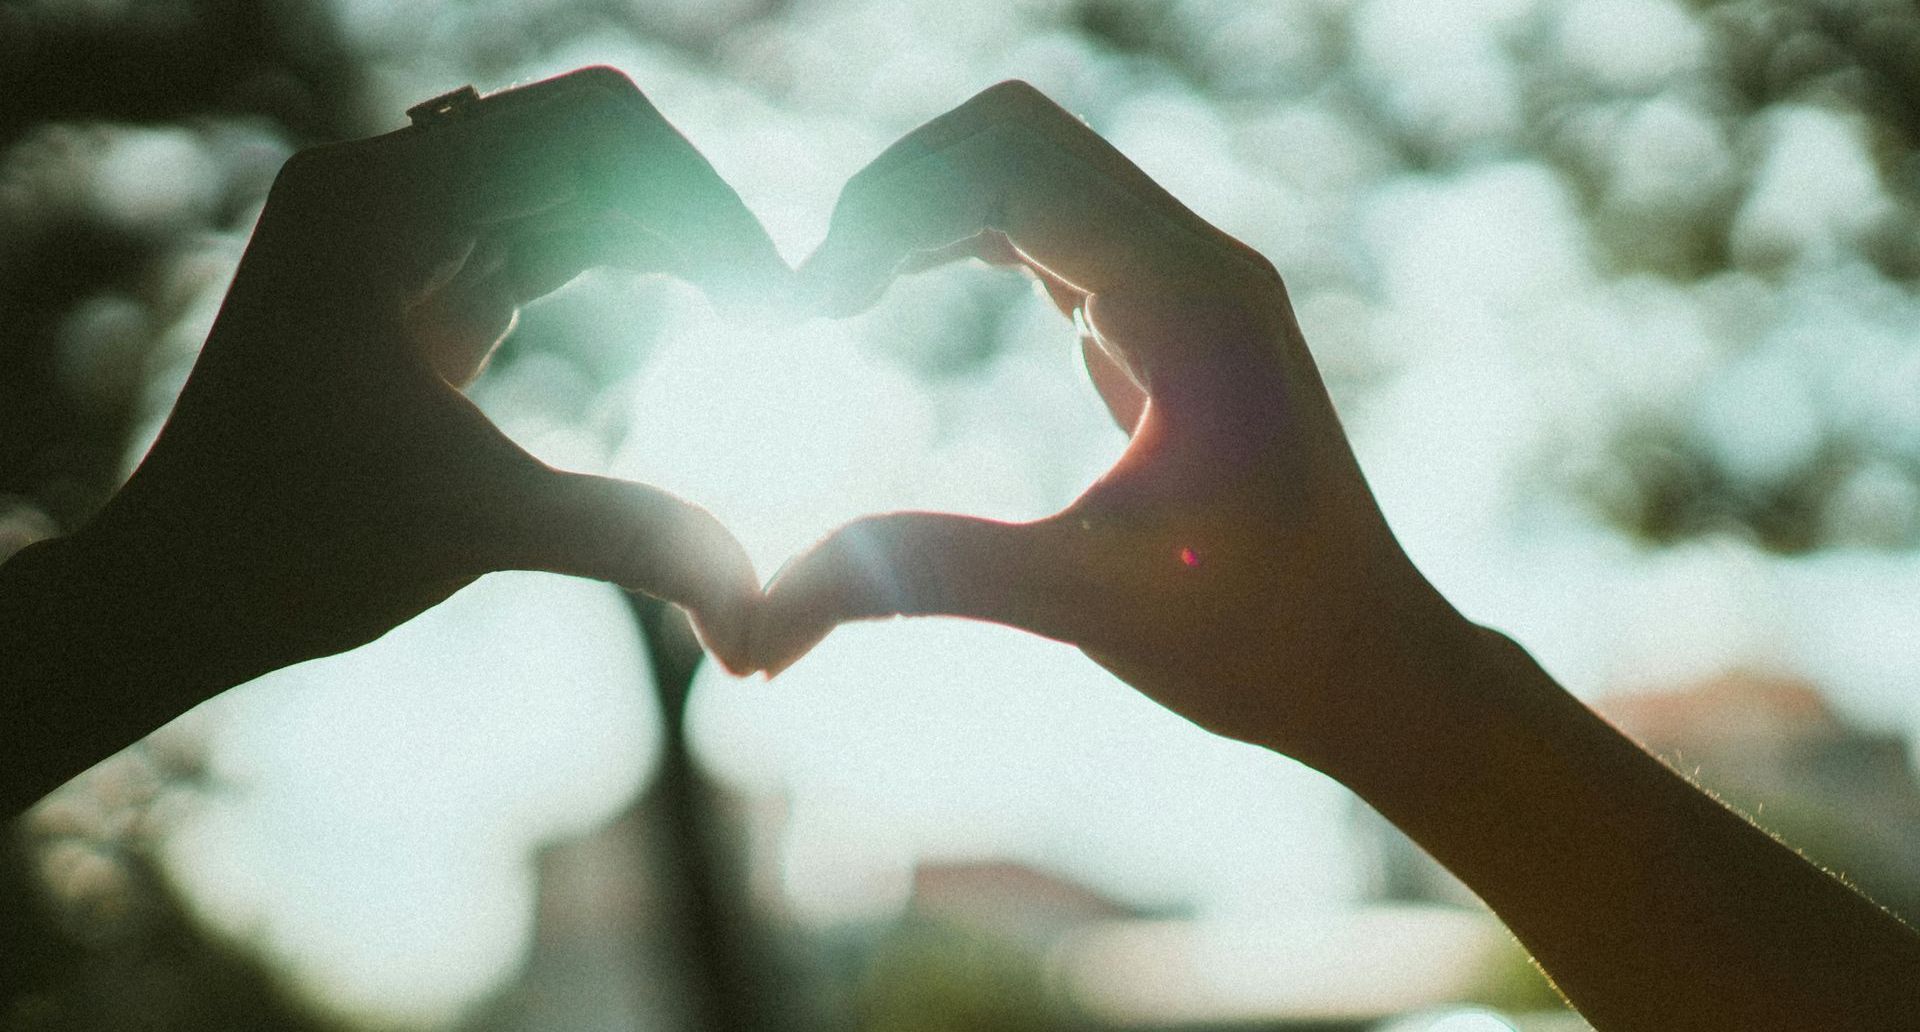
(930, 975)
(1865, 52)
(175, 60)
(1668, 488)
(171, 62)
(92, 937)
(648, 923)
(727, 971)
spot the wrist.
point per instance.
(1461, 720)
(1410, 700)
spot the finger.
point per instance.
(544, 258)
(461, 321)
(918, 564)
(1010, 160)
(588, 138)
(1126, 401)
(993, 248)
(638, 164)
(643, 539)
(1122, 394)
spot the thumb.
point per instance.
(644, 539)
(918, 564)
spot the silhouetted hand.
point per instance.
(322, 479)
(1233, 564)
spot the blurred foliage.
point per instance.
(95, 936)
(1682, 492)
(928, 975)
(181, 62)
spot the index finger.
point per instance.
(1010, 160)
(588, 138)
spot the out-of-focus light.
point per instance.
(1460, 1021)
(838, 866)
(1816, 192)
(381, 808)
(148, 176)
(1630, 45)
(1760, 419)
(1669, 157)
(1345, 964)
(1440, 70)
(1507, 235)
(1453, 284)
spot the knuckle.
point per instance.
(604, 77)
(314, 174)
(1262, 269)
(1019, 101)
(304, 168)
(607, 93)
(1016, 95)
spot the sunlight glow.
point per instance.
(1474, 203)
(381, 808)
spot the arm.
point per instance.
(1234, 566)
(1650, 904)
(97, 652)
(321, 479)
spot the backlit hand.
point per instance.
(322, 479)
(1233, 564)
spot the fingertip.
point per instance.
(644, 539)
(832, 282)
(813, 289)
(779, 639)
(726, 635)
(753, 280)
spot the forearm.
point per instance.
(97, 649)
(1652, 906)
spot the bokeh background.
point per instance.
(1617, 298)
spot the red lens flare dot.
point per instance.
(1190, 557)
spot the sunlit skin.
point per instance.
(322, 479)
(1233, 566)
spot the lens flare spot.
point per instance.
(1190, 557)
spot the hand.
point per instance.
(1233, 564)
(322, 479)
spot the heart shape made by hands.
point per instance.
(1233, 539)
